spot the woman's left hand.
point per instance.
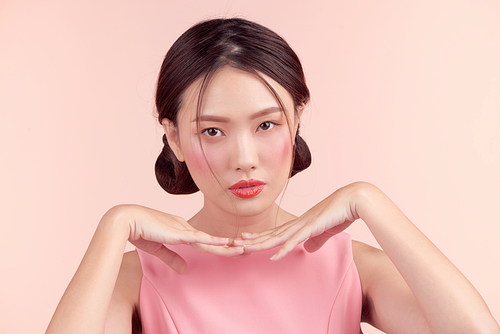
(434, 296)
(329, 217)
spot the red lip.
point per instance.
(247, 189)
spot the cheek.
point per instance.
(280, 153)
(197, 159)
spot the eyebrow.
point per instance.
(221, 119)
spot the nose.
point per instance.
(244, 155)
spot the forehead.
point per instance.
(233, 92)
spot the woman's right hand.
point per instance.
(150, 230)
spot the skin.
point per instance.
(409, 287)
(249, 138)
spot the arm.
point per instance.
(446, 299)
(388, 303)
(124, 305)
(415, 282)
(85, 303)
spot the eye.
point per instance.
(212, 132)
(264, 126)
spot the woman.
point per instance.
(230, 95)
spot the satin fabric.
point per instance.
(305, 292)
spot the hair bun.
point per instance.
(172, 174)
(198, 54)
(301, 155)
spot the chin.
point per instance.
(249, 208)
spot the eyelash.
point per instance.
(205, 132)
(219, 132)
(271, 124)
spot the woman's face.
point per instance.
(247, 147)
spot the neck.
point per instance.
(220, 223)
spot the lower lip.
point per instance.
(247, 192)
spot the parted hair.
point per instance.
(199, 53)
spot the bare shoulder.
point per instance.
(124, 305)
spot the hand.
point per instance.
(150, 230)
(329, 217)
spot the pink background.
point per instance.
(405, 94)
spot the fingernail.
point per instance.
(273, 257)
(238, 241)
(246, 234)
(226, 240)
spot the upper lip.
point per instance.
(247, 183)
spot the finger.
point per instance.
(266, 243)
(172, 259)
(242, 242)
(313, 244)
(195, 236)
(291, 243)
(273, 240)
(249, 235)
(316, 242)
(277, 230)
(244, 255)
(220, 250)
(256, 235)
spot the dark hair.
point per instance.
(200, 52)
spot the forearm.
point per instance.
(447, 299)
(84, 305)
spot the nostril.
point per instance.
(244, 158)
(243, 169)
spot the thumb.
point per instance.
(172, 259)
(313, 244)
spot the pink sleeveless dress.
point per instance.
(303, 293)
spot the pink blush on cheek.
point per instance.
(286, 149)
(280, 152)
(196, 161)
(199, 159)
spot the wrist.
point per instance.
(117, 221)
(364, 198)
